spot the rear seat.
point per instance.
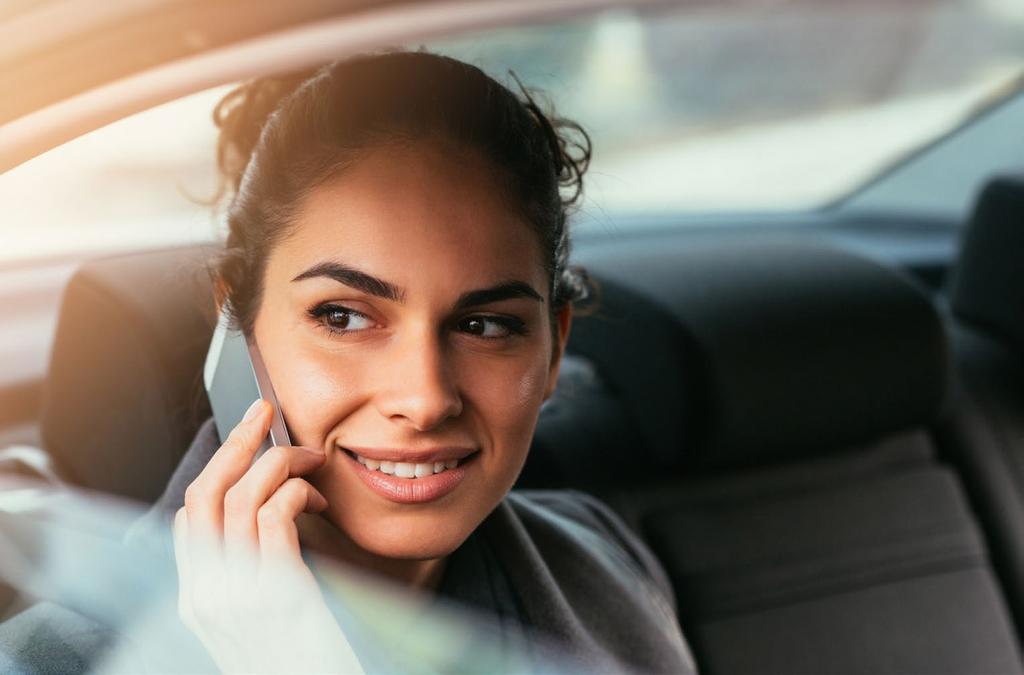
(800, 510)
(984, 432)
(765, 432)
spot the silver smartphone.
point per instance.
(235, 376)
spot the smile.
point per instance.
(410, 482)
(406, 469)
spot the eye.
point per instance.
(340, 319)
(492, 327)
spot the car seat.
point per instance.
(758, 414)
(803, 517)
(984, 431)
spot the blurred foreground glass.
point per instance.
(65, 548)
(702, 107)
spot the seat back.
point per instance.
(768, 440)
(983, 434)
(808, 525)
(123, 396)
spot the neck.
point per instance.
(322, 536)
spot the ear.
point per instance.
(564, 320)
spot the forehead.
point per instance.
(413, 210)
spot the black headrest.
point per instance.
(123, 396)
(622, 406)
(762, 351)
(796, 348)
(988, 282)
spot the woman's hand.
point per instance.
(244, 589)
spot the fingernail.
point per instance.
(253, 410)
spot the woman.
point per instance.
(398, 248)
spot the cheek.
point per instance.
(507, 397)
(315, 388)
(313, 400)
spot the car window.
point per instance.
(143, 182)
(760, 106)
(702, 108)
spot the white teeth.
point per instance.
(406, 469)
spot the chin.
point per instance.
(410, 538)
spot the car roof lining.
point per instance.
(294, 47)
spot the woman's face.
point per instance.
(405, 321)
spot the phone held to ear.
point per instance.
(235, 376)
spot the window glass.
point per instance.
(753, 105)
(757, 105)
(143, 182)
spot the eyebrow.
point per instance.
(504, 291)
(371, 285)
(357, 279)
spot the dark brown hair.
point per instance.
(282, 136)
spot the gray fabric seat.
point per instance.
(983, 433)
(806, 522)
(757, 414)
(123, 396)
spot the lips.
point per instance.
(414, 490)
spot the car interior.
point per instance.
(819, 431)
(823, 451)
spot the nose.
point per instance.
(417, 387)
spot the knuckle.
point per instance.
(270, 516)
(237, 502)
(238, 440)
(239, 437)
(195, 494)
(276, 456)
(274, 463)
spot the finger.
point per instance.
(181, 561)
(200, 576)
(244, 498)
(234, 457)
(204, 497)
(278, 535)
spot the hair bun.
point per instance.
(240, 117)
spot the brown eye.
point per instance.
(474, 326)
(492, 327)
(338, 319)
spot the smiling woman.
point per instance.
(410, 366)
(399, 250)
